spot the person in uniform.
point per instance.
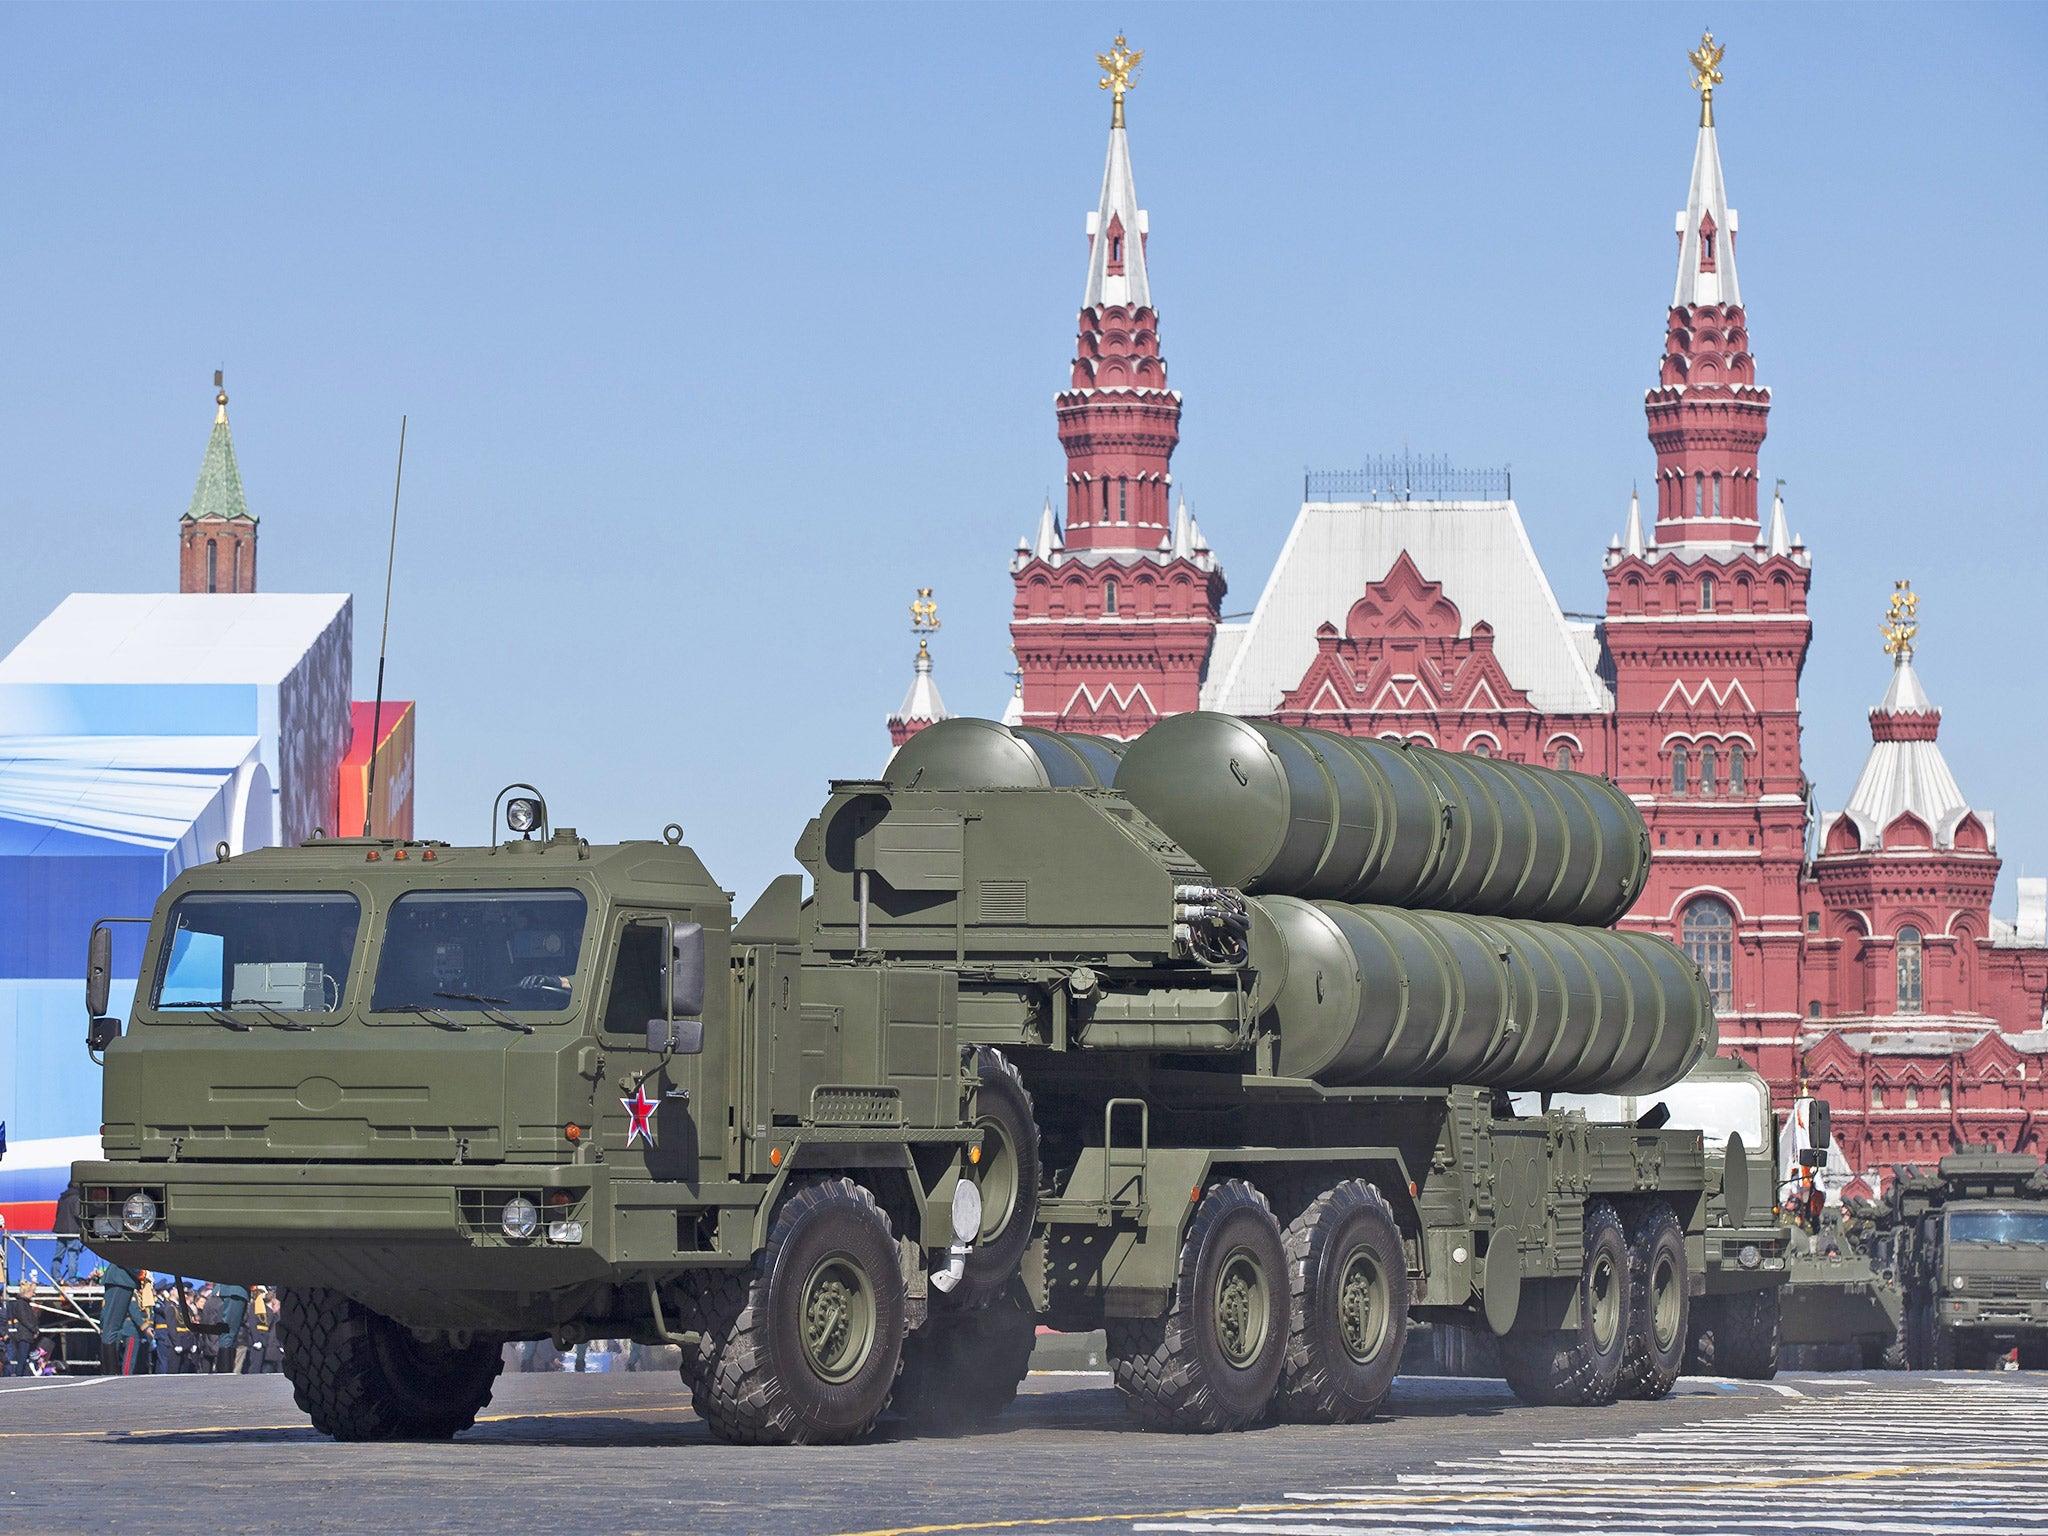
(120, 1322)
(229, 1307)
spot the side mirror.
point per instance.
(99, 970)
(1819, 1129)
(101, 1032)
(1813, 1157)
(686, 971)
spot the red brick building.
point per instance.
(1408, 603)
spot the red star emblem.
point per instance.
(642, 1109)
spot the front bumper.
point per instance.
(358, 1225)
(1725, 1269)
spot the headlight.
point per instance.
(1750, 1256)
(1960, 1281)
(520, 1217)
(565, 1231)
(522, 815)
(138, 1212)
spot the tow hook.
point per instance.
(966, 1225)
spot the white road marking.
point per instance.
(1961, 1455)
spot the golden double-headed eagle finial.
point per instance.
(1900, 623)
(924, 617)
(1706, 74)
(1122, 64)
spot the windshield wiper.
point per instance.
(213, 1012)
(431, 1015)
(274, 1017)
(489, 1013)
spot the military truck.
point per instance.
(1167, 1045)
(1735, 1319)
(1842, 1297)
(1968, 1244)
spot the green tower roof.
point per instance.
(218, 495)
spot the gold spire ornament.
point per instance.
(1122, 64)
(1901, 623)
(924, 618)
(1706, 74)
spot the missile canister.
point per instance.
(1365, 996)
(966, 753)
(1270, 808)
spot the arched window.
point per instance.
(1123, 501)
(1737, 769)
(1105, 501)
(212, 564)
(1699, 494)
(1116, 250)
(1909, 970)
(1109, 597)
(1707, 582)
(1678, 769)
(1710, 763)
(1707, 934)
(1717, 493)
(1564, 756)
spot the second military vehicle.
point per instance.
(1212, 1046)
(1735, 1318)
(1968, 1246)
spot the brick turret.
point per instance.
(217, 534)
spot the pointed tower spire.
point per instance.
(1707, 415)
(1632, 535)
(1119, 423)
(922, 705)
(1706, 230)
(1048, 541)
(217, 534)
(1781, 534)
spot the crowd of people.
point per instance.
(149, 1324)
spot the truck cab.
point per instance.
(466, 1096)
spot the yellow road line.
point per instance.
(1474, 1496)
(267, 1429)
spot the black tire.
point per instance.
(1581, 1366)
(1659, 1326)
(1699, 1348)
(1007, 1174)
(1916, 1319)
(1348, 1282)
(1746, 1344)
(1213, 1361)
(801, 1347)
(1946, 1351)
(360, 1376)
(1892, 1356)
(961, 1369)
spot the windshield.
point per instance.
(284, 950)
(1998, 1227)
(453, 950)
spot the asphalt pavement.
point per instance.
(1896, 1454)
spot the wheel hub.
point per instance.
(838, 1318)
(1240, 1308)
(1362, 1308)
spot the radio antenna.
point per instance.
(384, 637)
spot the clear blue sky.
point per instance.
(720, 329)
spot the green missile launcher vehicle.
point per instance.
(1021, 1055)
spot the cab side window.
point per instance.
(636, 994)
